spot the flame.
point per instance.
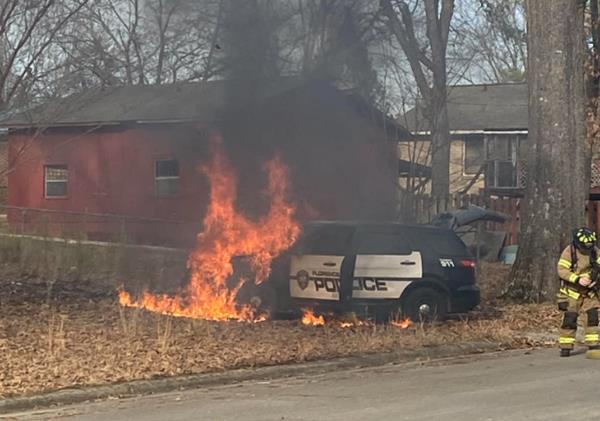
(309, 318)
(227, 234)
(356, 323)
(402, 324)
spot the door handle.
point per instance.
(330, 264)
(408, 263)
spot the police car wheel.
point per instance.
(263, 298)
(425, 304)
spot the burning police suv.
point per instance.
(378, 268)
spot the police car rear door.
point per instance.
(385, 263)
(315, 265)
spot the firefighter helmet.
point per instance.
(584, 238)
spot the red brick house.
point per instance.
(128, 157)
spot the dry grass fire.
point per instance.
(227, 234)
(309, 318)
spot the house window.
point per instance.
(473, 156)
(166, 177)
(56, 179)
(503, 160)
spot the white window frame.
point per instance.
(158, 178)
(46, 181)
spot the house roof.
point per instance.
(200, 102)
(184, 101)
(478, 107)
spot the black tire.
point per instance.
(419, 300)
(263, 298)
(269, 301)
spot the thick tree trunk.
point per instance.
(558, 155)
(438, 18)
(594, 76)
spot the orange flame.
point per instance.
(309, 318)
(402, 324)
(355, 323)
(228, 234)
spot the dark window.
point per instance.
(443, 243)
(498, 147)
(503, 160)
(506, 174)
(473, 155)
(56, 179)
(334, 240)
(380, 242)
(166, 177)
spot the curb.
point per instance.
(147, 387)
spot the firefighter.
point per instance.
(575, 294)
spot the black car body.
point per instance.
(378, 267)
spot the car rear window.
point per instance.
(343, 240)
(444, 243)
(380, 242)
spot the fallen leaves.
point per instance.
(86, 338)
(101, 343)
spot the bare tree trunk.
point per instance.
(440, 142)
(558, 155)
(438, 18)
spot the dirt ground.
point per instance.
(83, 337)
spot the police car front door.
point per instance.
(315, 276)
(316, 265)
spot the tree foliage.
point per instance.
(52, 47)
(490, 43)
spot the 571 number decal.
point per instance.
(447, 263)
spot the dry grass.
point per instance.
(80, 336)
(492, 281)
(89, 342)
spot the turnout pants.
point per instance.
(579, 307)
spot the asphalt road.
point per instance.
(506, 386)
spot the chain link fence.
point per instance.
(92, 252)
(99, 227)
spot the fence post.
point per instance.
(430, 207)
(83, 234)
(513, 216)
(123, 222)
(23, 216)
(478, 250)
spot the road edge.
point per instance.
(132, 388)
